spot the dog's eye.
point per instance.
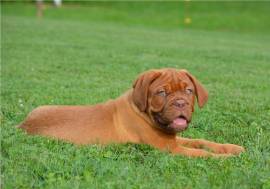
(161, 93)
(189, 91)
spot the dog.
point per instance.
(159, 105)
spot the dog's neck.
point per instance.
(143, 115)
(146, 123)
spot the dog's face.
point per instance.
(167, 96)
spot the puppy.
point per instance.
(159, 105)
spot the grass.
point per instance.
(73, 56)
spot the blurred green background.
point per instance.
(205, 15)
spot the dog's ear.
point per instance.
(200, 91)
(141, 86)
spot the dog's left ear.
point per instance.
(200, 91)
(141, 86)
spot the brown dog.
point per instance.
(159, 105)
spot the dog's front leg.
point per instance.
(193, 152)
(177, 149)
(212, 146)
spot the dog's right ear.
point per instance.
(141, 86)
(201, 92)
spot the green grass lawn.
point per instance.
(86, 55)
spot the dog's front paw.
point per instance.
(231, 149)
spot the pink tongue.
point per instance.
(180, 123)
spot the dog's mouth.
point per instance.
(178, 124)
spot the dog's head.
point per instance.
(167, 96)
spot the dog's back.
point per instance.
(77, 124)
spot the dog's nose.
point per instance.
(180, 103)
